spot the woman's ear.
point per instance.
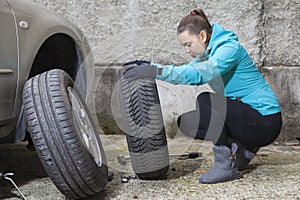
(203, 36)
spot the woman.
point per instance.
(241, 116)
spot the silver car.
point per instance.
(45, 79)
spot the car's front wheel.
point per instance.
(64, 135)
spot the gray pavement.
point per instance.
(273, 174)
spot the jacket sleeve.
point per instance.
(183, 74)
(197, 72)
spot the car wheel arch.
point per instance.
(50, 55)
(42, 62)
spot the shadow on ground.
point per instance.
(25, 164)
(275, 168)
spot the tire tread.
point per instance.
(53, 134)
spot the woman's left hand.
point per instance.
(136, 62)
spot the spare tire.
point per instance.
(143, 123)
(64, 135)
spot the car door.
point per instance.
(8, 63)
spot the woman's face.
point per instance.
(193, 44)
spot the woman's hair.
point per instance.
(195, 22)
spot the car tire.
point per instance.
(64, 135)
(143, 123)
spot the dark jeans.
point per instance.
(217, 118)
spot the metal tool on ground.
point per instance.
(190, 155)
(125, 179)
(6, 176)
(123, 159)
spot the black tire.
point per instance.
(145, 132)
(64, 135)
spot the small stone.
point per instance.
(292, 142)
(124, 179)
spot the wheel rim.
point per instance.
(84, 127)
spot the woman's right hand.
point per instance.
(144, 70)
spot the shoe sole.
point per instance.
(235, 177)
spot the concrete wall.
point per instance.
(282, 61)
(282, 31)
(286, 81)
(122, 30)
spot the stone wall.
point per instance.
(122, 30)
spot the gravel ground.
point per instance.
(273, 174)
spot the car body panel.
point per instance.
(8, 62)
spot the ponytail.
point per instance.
(195, 22)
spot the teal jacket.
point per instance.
(228, 69)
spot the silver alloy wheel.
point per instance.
(84, 127)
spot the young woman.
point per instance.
(241, 116)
